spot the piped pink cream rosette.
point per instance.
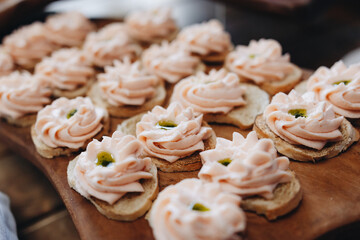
(151, 25)
(68, 29)
(339, 86)
(69, 123)
(6, 62)
(302, 120)
(195, 210)
(260, 61)
(245, 166)
(216, 92)
(127, 83)
(66, 69)
(110, 43)
(170, 61)
(109, 183)
(172, 143)
(21, 94)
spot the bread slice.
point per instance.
(287, 197)
(131, 206)
(127, 111)
(243, 117)
(302, 153)
(80, 91)
(24, 121)
(186, 164)
(49, 152)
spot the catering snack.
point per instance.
(114, 177)
(67, 72)
(250, 168)
(21, 97)
(126, 89)
(304, 129)
(66, 126)
(262, 62)
(195, 210)
(172, 137)
(6, 62)
(221, 98)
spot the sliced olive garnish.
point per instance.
(104, 159)
(71, 113)
(225, 161)
(252, 56)
(298, 112)
(199, 207)
(166, 124)
(346, 82)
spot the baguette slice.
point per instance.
(81, 91)
(131, 206)
(127, 111)
(24, 121)
(186, 164)
(243, 117)
(287, 197)
(49, 152)
(302, 153)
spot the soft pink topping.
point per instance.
(171, 62)
(110, 43)
(109, 183)
(69, 123)
(173, 143)
(260, 61)
(21, 94)
(29, 44)
(319, 126)
(6, 63)
(339, 86)
(172, 215)
(127, 84)
(254, 169)
(66, 69)
(68, 29)
(151, 24)
(206, 38)
(217, 92)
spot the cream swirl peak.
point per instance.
(110, 179)
(303, 120)
(339, 86)
(6, 63)
(69, 123)
(170, 61)
(66, 69)
(172, 133)
(260, 61)
(245, 166)
(206, 38)
(127, 83)
(21, 94)
(216, 92)
(195, 210)
(68, 29)
(151, 25)
(110, 43)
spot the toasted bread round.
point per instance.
(81, 91)
(127, 110)
(24, 121)
(131, 206)
(185, 164)
(302, 153)
(287, 197)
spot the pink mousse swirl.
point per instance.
(260, 61)
(66, 69)
(175, 143)
(151, 25)
(339, 86)
(127, 83)
(319, 126)
(216, 92)
(29, 44)
(172, 215)
(68, 29)
(110, 43)
(205, 38)
(21, 94)
(109, 183)
(6, 62)
(57, 127)
(254, 170)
